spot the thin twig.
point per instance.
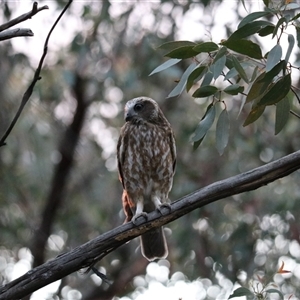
(23, 17)
(16, 32)
(294, 114)
(294, 92)
(36, 77)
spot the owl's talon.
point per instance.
(163, 208)
(139, 218)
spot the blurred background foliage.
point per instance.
(111, 52)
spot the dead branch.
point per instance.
(36, 77)
(92, 251)
(35, 9)
(12, 33)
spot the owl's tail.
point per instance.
(154, 245)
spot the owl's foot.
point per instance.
(164, 208)
(139, 218)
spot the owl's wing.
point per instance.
(121, 149)
(173, 149)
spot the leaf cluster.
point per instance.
(237, 66)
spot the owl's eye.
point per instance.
(138, 107)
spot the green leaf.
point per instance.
(196, 75)
(239, 68)
(182, 83)
(206, 47)
(277, 92)
(220, 53)
(274, 57)
(234, 89)
(280, 21)
(275, 291)
(266, 30)
(174, 45)
(249, 29)
(261, 84)
(297, 16)
(245, 47)
(254, 74)
(198, 143)
(204, 124)
(266, 2)
(253, 16)
(291, 41)
(254, 114)
(207, 78)
(169, 63)
(269, 76)
(222, 131)
(205, 91)
(257, 88)
(219, 66)
(233, 72)
(182, 52)
(282, 114)
(298, 35)
(242, 291)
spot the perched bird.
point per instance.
(146, 155)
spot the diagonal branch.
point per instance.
(35, 9)
(36, 77)
(90, 252)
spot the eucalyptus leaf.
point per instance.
(257, 89)
(182, 83)
(282, 114)
(219, 66)
(254, 114)
(266, 30)
(196, 75)
(182, 52)
(253, 16)
(280, 22)
(174, 45)
(222, 131)
(274, 57)
(291, 41)
(241, 291)
(249, 29)
(298, 35)
(277, 92)
(206, 47)
(220, 53)
(208, 77)
(239, 68)
(234, 89)
(245, 47)
(169, 63)
(204, 124)
(205, 91)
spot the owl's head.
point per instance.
(143, 109)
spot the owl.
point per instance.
(146, 154)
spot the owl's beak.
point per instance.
(129, 115)
(128, 118)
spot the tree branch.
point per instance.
(90, 252)
(8, 34)
(36, 77)
(24, 17)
